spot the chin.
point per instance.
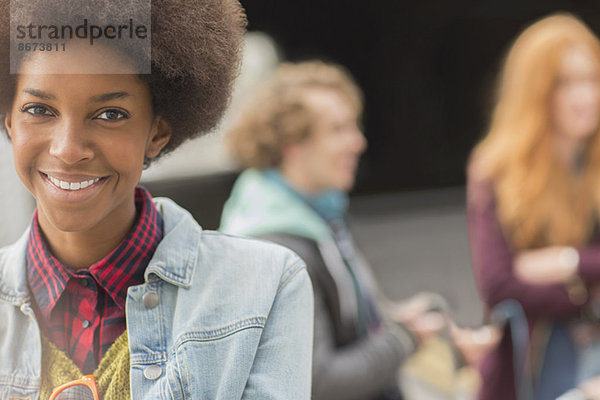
(69, 222)
(345, 186)
(583, 132)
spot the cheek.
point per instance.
(560, 106)
(127, 157)
(342, 147)
(338, 159)
(25, 146)
(563, 114)
(24, 160)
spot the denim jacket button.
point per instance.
(152, 372)
(150, 299)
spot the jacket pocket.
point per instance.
(216, 363)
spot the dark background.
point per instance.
(427, 69)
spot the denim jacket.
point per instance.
(234, 319)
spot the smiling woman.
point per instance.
(103, 261)
(82, 182)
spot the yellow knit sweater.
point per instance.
(112, 374)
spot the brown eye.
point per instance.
(112, 115)
(37, 110)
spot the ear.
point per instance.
(159, 137)
(8, 125)
(289, 151)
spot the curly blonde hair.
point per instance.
(278, 113)
(539, 201)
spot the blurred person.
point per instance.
(17, 199)
(587, 390)
(474, 344)
(107, 281)
(533, 201)
(300, 139)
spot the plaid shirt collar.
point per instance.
(121, 268)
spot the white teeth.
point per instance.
(71, 185)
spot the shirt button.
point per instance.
(152, 372)
(150, 299)
(85, 282)
(85, 324)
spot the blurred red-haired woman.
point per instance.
(534, 200)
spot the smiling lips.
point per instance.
(72, 185)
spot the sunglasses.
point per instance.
(80, 389)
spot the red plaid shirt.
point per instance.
(83, 312)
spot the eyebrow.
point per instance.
(108, 96)
(39, 93)
(95, 99)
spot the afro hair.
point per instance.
(195, 54)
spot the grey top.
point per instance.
(346, 364)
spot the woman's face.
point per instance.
(329, 156)
(80, 137)
(576, 98)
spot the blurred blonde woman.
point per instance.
(534, 201)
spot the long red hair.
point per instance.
(540, 202)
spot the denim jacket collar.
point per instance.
(177, 254)
(173, 261)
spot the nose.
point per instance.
(68, 143)
(360, 142)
